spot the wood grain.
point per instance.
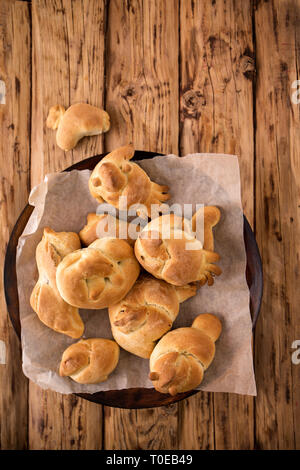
(142, 99)
(142, 74)
(277, 226)
(216, 115)
(175, 76)
(196, 422)
(14, 158)
(68, 67)
(15, 164)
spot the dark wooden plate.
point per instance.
(133, 397)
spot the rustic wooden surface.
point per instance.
(277, 223)
(216, 43)
(14, 190)
(175, 76)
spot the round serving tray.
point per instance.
(133, 397)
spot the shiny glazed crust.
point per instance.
(164, 253)
(179, 359)
(98, 276)
(146, 313)
(90, 360)
(116, 176)
(80, 120)
(45, 299)
(99, 223)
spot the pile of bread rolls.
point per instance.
(141, 282)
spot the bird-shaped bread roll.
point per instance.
(105, 225)
(146, 314)
(90, 361)
(179, 359)
(168, 249)
(45, 299)
(99, 275)
(78, 121)
(116, 176)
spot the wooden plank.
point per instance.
(14, 158)
(277, 222)
(68, 67)
(217, 68)
(196, 422)
(72, 64)
(142, 99)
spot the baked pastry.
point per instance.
(179, 359)
(98, 226)
(168, 250)
(90, 361)
(78, 121)
(146, 314)
(116, 176)
(99, 275)
(45, 299)
(211, 216)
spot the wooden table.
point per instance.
(194, 75)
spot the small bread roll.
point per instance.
(179, 359)
(90, 361)
(98, 276)
(45, 299)
(116, 176)
(78, 121)
(168, 250)
(98, 227)
(146, 314)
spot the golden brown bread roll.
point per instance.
(99, 223)
(146, 313)
(179, 359)
(98, 276)
(116, 176)
(45, 299)
(211, 216)
(164, 253)
(90, 361)
(78, 121)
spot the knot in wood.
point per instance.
(193, 100)
(247, 65)
(128, 90)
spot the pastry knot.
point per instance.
(146, 313)
(99, 275)
(90, 361)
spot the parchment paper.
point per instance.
(62, 202)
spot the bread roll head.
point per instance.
(116, 176)
(179, 359)
(54, 116)
(45, 299)
(168, 250)
(146, 313)
(211, 216)
(78, 121)
(98, 276)
(98, 227)
(90, 361)
(210, 324)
